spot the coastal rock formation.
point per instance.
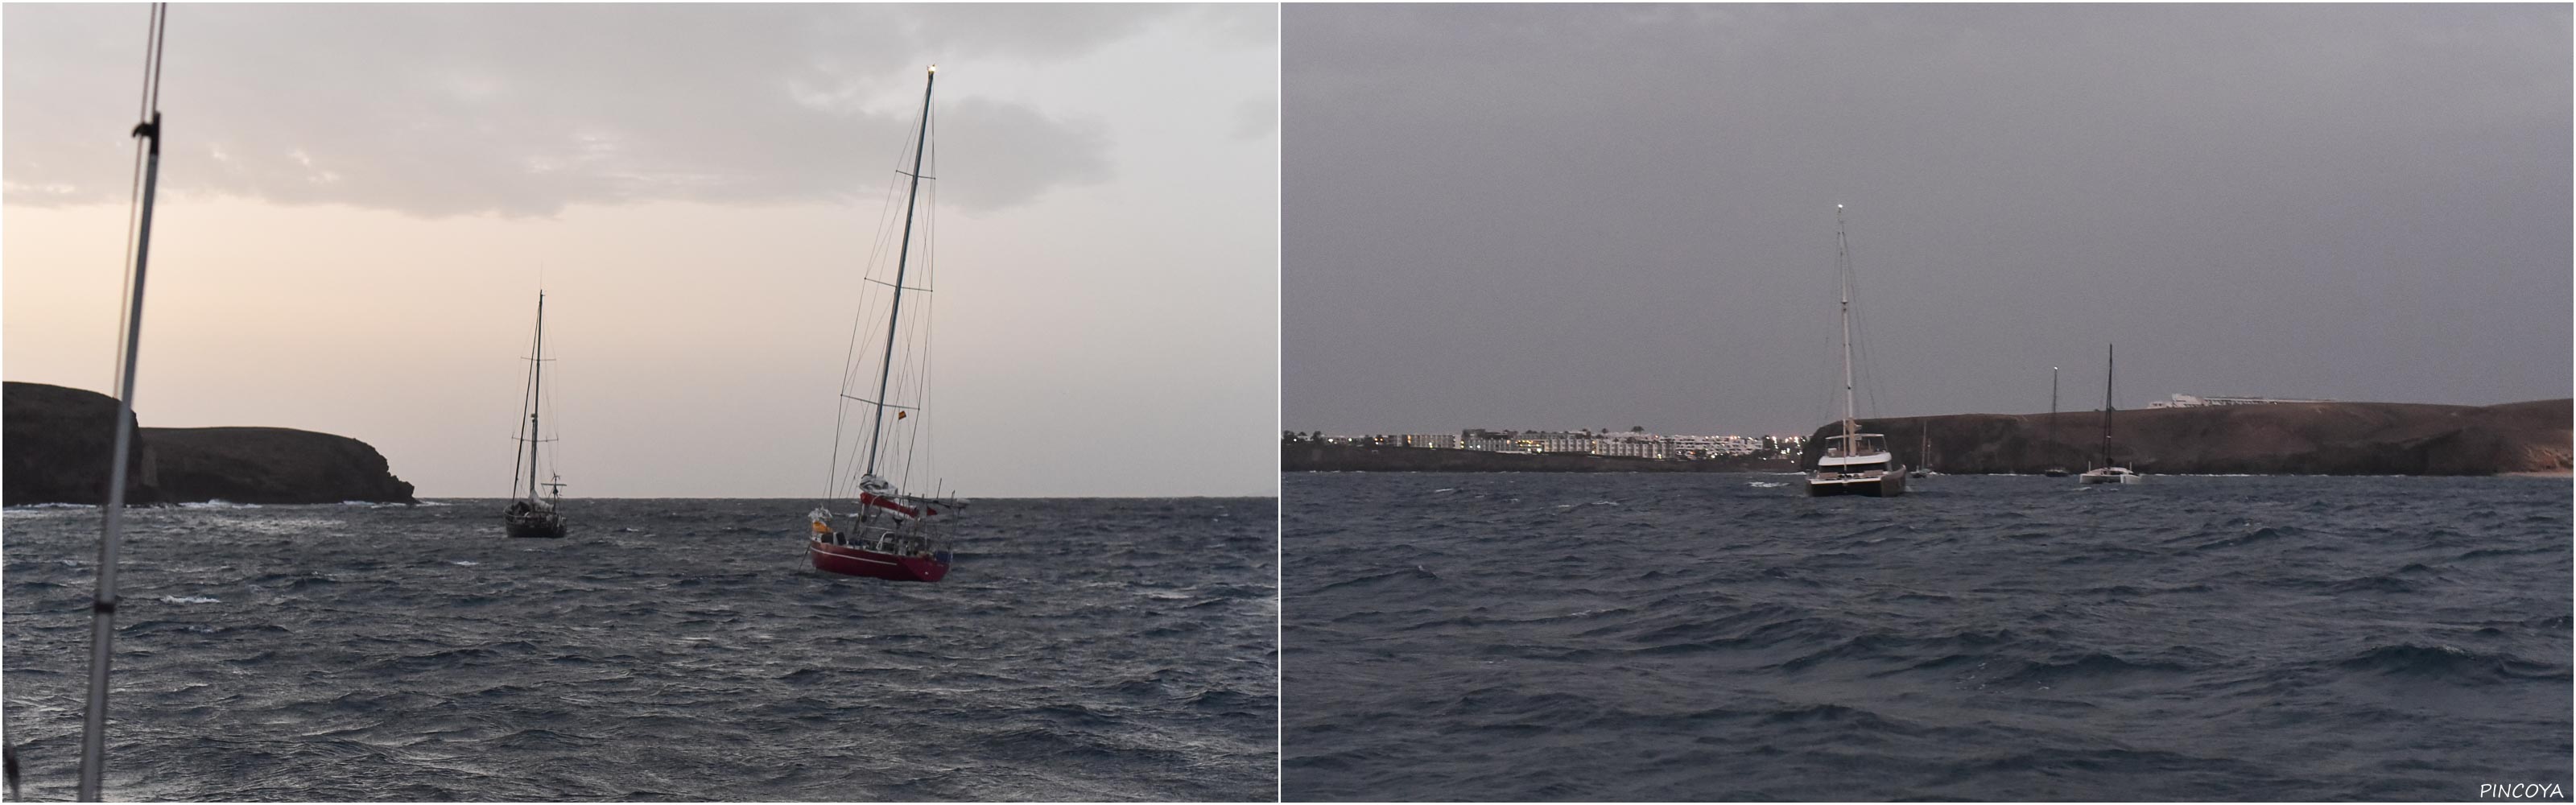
(269, 465)
(58, 441)
(55, 444)
(2339, 438)
(1319, 457)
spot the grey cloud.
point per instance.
(1550, 216)
(521, 110)
(1256, 118)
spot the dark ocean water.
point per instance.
(1657, 637)
(1080, 649)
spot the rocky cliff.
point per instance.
(269, 465)
(58, 440)
(2343, 438)
(55, 446)
(1319, 457)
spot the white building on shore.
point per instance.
(2196, 401)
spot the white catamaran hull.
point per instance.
(2110, 475)
(1875, 484)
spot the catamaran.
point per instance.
(892, 534)
(2108, 473)
(531, 514)
(1853, 463)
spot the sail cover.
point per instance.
(907, 507)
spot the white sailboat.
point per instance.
(2109, 472)
(1853, 463)
(892, 534)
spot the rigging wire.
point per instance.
(917, 339)
(546, 400)
(527, 402)
(842, 440)
(929, 277)
(1830, 354)
(1861, 356)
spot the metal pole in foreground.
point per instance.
(102, 634)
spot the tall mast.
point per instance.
(912, 196)
(1842, 265)
(2051, 445)
(536, 394)
(2110, 371)
(102, 608)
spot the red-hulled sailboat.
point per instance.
(892, 535)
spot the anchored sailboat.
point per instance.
(1853, 463)
(893, 534)
(533, 515)
(2108, 473)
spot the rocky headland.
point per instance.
(2338, 438)
(58, 442)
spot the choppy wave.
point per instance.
(1988, 638)
(1082, 649)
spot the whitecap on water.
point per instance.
(463, 562)
(193, 599)
(48, 510)
(281, 526)
(1770, 484)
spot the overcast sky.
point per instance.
(1605, 216)
(359, 202)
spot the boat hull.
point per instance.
(2108, 478)
(852, 561)
(544, 526)
(1886, 485)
